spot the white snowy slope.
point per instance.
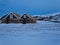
(41, 33)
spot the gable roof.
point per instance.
(26, 16)
(11, 15)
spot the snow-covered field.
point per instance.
(42, 33)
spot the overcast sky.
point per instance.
(29, 6)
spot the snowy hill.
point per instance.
(55, 17)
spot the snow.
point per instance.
(41, 33)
